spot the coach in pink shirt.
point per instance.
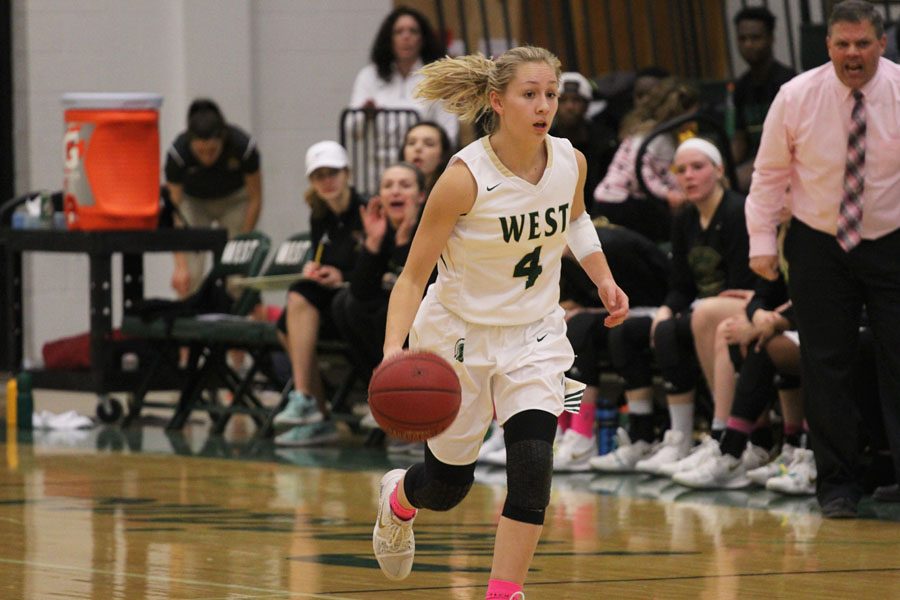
(832, 136)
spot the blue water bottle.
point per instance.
(607, 423)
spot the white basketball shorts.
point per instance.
(510, 368)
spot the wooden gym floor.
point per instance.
(137, 513)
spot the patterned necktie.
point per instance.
(848, 235)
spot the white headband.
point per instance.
(704, 146)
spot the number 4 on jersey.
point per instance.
(529, 267)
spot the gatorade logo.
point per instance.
(73, 146)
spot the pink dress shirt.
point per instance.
(804, 148)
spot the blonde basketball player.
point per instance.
(496, 224)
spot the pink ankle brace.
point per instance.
(501, 590)
(404, 514)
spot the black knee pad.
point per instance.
(437, 486)
(529, 465)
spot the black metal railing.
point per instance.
(373, 139)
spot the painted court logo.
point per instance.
(459, 349)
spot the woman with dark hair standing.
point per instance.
(405, 42)
(213, 175)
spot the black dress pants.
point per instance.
(829, 288)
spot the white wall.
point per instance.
(281, 69)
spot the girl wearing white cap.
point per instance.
(335, 236)
(710, 281)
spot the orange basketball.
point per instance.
(414, 395)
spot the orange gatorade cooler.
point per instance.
(111, 160)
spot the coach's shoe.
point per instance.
(776, 468)
(393, 539)
(800, 479)
(624, 457)
(671, 449)
(300, 410)
(574, 453)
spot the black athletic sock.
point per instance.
(733, 442)
(762, 437)
(640, 427)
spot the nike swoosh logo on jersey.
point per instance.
(492, 187)
(541, 338)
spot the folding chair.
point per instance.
(205, 334)
(261, 339)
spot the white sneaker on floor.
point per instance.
(800, 479)
(310, 434)
(672, 449)
(497, 458)
(574, 453)
(717, 472)
(393, 540)
(367, 420)
(777, 467)
(624, 457)
(697, 455)
(300, 410)
(398, 447)
(754, 457)
(493, 443)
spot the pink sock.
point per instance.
(742, 425)
(583, 422)
(404, 514)
(792, 428)
(501, 590)
(564, 420)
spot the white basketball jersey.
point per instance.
(501, 263)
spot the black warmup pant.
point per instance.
(651, 217)
(361, 325)
(829, 288)
(588, 337)
(629, 348)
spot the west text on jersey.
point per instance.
(554, 219)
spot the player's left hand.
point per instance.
(615, 301)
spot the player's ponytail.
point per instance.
(464, 83)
